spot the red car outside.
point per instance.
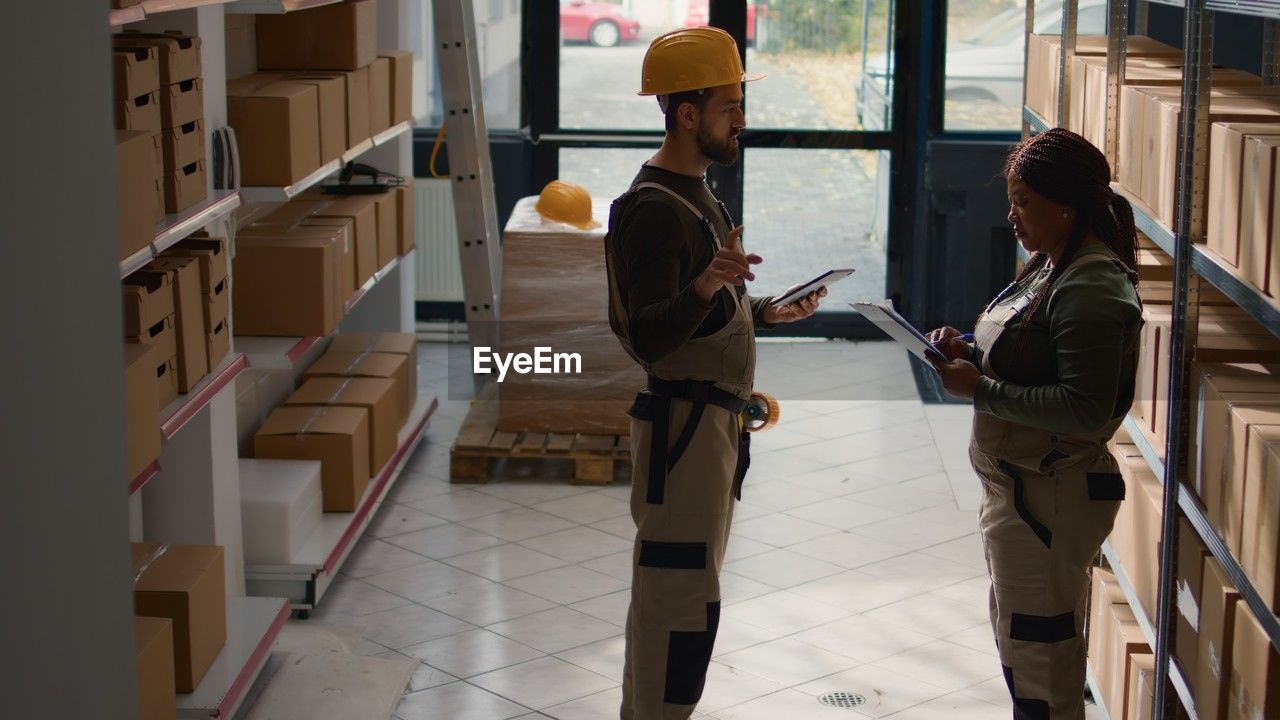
(600, 23)
(699, 17)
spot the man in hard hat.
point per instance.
(678, 304)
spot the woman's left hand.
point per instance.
(959, 377)
(798, 310)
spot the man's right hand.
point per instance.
(728, 268)
(950, 342)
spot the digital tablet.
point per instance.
(813, 285)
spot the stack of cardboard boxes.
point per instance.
(180, 623)
(160, 91)
(298, 266)
(346, 413)
(175, 323)
(1122, 661)
(139, 158)
(324, 89)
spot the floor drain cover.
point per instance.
(842, 699)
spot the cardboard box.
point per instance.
(358, 122)
(148, 299)
(296, 218)
(185, 186)
(378, 398)
(372, 365)
(181, 103)
(1226, 175)
(178, 54)
(379, 96)
(141, 423)
(1127, 641)
(406, 207)
(218, 302)
(1217, 632)
(1250, 425)
(334, 37)
(212, 255)
(1257, 194)
(387, 212)
(163, 335)
(288, 282)
(184, 277)
(384, 342)
(277, 125)
(1260, 525)
(331, 96)
(185, 584)
(140, 114)
(1255, 671)
(166, 382)
(1142, 672)
(121, 4)
(218, 342)
(1145, 496)
(1105, 592)
(136, 183)
(1187, 592)
(336, 436)
(153, 668)
(183, 145)
(401, 84)
(362, 212)
(347, 267)
(136, 71)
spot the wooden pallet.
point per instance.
(480, 446)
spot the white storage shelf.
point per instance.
(275, 7)
(285, 194)
(178, 226)
(253, 624)
(148, 8)
(188, 405)
(305, 579)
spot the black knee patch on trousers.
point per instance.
(688, 656)
(673, 556)
(1024, 709)
(1041, 629)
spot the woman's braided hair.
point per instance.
(1065, 168)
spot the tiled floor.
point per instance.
(854, 566)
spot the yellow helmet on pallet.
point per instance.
(565, 202)
(692, 59)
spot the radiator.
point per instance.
(439, 269)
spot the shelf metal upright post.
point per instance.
(1069, 12)
(1117, 52)
(1192, 191)
(1028, 29)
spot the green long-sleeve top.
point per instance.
(660, 249)
(1076, 368)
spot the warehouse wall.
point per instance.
(66, 605)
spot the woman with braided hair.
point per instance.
(1051, 374)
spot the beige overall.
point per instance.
(682, 495)
(1049, 501)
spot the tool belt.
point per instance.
(654, 405)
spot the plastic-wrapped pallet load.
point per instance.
(280, 506)
(555, 295)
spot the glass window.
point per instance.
(498, 48)
(807, 211)
(984, 65)
(606, 173)
(602, 46)
(829, 64)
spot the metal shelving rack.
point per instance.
(1193, 264)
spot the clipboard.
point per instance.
(895, 326)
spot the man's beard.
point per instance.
(721, 151)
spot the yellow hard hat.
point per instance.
(567, 203)
(692, 59)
